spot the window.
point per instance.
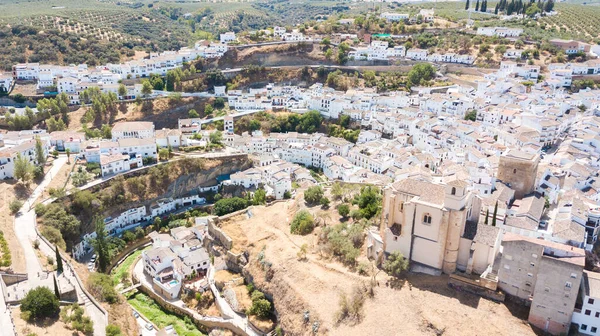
(568, 284)
(597, 314)
(453, 191)
(534, 255)
(573, 276)
(401, 206)
(426, 219)
(532, 264)
(584, 327)
(591, 301)
(588, 312)
(395, 238)
(514, 171)
(594, 329)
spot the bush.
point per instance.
(369, 202)
(261, 307)
(313, 195)
(324, 201)
(54, 236)
(350, 307)
(102, 287)
(15, 205)
(395, 264)
(303, 223)
(113, 330)
(229, 205)
(40, 303)
(343, 210)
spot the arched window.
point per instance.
(401, 206)
(426, 218)
(514, 171)
(453, 191)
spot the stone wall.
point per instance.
(127, 251)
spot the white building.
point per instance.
(394, 16)
(227, 37)
(133, 129)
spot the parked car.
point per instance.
(149, 326)
(136, 314)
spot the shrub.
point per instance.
(350, 307)
(15, 205)
(229, 205)
(40, 303)
(50, 260)
(113, 330)
(261, 307)
(395, 264)
(54, 236)
(313, 195)
(324, 201)
(303, 223)
(102, 287)
(343, 210)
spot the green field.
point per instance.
(118, 271)
(152, 311)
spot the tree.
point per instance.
(477, 6)
(467, 5)
(219, 103)
(395, 264)
(146, 87)
(23, 170)
(56, 290)
(193, 114)
(324, 201)
(496, 9)
(471, 115)
(313, 195)
(40, 302)
(208, 110)
(229, 205)
(261, 307)
(100, 244)
(487, 215)
(39, 152)
(163, 154)
(495, 214)
(303, 223)
(260, 197)
(68, 151)
(328, 54)
(15, 205)
(59, 263)
(421, 72)
(216, 137)
(343, 210)
(369, 202)
(122, 90)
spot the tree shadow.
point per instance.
(440, 285)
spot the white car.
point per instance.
(149, 326)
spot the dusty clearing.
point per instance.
(422, 305)
(8, 191)
(48, 327)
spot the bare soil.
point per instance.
(46, 327)
(418, 305)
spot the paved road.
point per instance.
(25, 231)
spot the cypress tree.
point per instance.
(467, 5)
(496, 9)
(487, 214)
(56, 291)
(59, 264)
(477, 6)
(495, 214)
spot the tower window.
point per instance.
(427, 219)
(514, 171)
(453, 191)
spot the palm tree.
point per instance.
(68, 151)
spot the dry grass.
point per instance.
(47, 327)
(423, 305)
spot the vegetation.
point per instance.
(59, 263)
(313, 195)
(5, 256)
(120, 272)
(100, 244)
(39, 303)
(113, 330)
(54, 216)
(229, 205)
(471, 115)
(150, 309)
(15, 205)
(343, 210)
(261, 307)
(395, 264)
(73, 316)
(343, 241)
(23, 170)
(303, 223)
(102, 287)
(351, 306)
(369, 202)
